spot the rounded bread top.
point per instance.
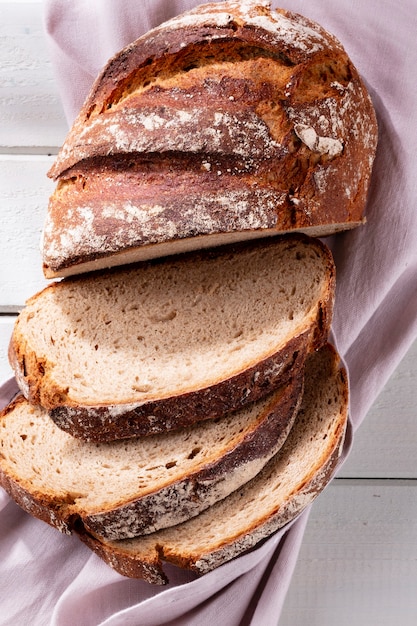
(322, 82)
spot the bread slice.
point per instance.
(229, 122)
(159, 346)
(290, 482)
(137, 486)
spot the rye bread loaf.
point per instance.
(161, 345)
(137, 486)
(286, 485)
(231, 121)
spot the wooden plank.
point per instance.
(6, 326)
(386, 443)
(31, 113)
(358, 561)
(24, 193)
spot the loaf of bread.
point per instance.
(166, 343)
(137, 486)
(287, 484)
(229, 122)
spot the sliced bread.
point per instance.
(231, 121)
(287, 484)
(164, 344)
(137, 486)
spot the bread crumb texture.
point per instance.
(287, 484)
(171, 327)
(140, 485)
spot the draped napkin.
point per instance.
(51, 579)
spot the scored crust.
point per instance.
(230, 122)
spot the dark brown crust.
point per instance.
(126, 564)
(266, 438)
(225, 155)
(131, 564)
(148, 563)
(37, 505)
(162, 42)
(286, 513)
(97, 424)
(107, 422)
(162, 46)
(289, 512)
(133, 518)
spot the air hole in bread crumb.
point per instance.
(194, 452)
(23, 437)
(163, 316)
(170, 464)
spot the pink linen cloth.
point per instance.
(51, 579)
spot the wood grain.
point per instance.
(385, 445)
(358, 560)
(24, 192)
(31, 113)
(6, 327)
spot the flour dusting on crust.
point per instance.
(262, 110)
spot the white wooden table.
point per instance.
(358, 562)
